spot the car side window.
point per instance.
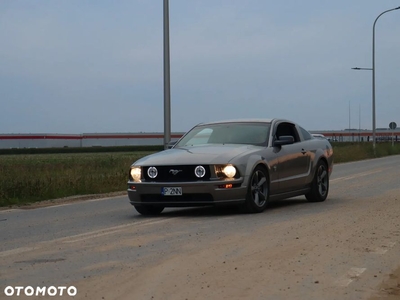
(306, 135)
(287, 129)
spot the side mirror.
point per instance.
(284, 140)
(171, 144)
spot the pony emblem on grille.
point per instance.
(174, 172)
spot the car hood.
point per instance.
(205, 154)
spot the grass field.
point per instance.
(26, 178)
(346, 152)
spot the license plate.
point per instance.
(171, 191)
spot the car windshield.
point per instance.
(227, 133)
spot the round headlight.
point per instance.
(200, 171)
(136, 173)
(152, 172)
(229, 171)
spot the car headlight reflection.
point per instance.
(229, 171)
(136, 173)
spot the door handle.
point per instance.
(303, 151)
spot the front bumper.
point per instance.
(203, 193)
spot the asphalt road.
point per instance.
(344, 248)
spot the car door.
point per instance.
(293, 160)
(272, 160)
(308, 149)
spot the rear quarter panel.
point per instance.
(320, 149)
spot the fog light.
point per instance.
(200, 171)
(152, 172)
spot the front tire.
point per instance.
(148, 210)
(258, 191)
(320, 185)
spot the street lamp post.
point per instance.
(373, 77)
(167, 81)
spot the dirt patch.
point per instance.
(390, 288)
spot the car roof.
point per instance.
(239, 121)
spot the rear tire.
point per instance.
(320, 185)
(148, 210)
(258, 191)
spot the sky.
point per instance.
(79, 66)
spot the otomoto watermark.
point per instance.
(52, 291)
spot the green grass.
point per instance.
(346, 152)
(27, 178)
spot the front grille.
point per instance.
(203, 198)
(182, 173)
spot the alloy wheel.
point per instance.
(322, 180)
(259, 188)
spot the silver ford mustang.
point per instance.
(244, 162)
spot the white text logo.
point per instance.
(40, 291)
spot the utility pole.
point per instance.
(167, 81)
